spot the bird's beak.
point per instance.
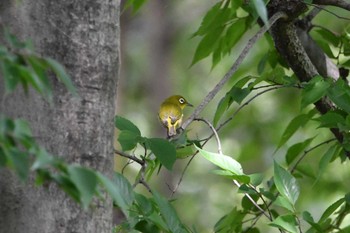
(190, 105)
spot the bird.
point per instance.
(171, 113)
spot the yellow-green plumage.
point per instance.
(171, 113)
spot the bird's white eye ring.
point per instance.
(182, 100)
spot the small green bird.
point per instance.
(171, 113)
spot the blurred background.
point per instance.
(157, 49)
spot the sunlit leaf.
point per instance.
(285, 203)
(285, 222)
(223, 161)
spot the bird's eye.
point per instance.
(182, 100)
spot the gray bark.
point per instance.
(84, 37)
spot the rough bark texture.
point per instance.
(83, 36)
(301, 53)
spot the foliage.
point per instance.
(272, 195)
(275, 197)
(20, 152)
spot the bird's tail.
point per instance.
(171, 130)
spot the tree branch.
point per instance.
(291, 48)
(338, 3)
(232, 70)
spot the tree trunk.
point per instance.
(84, 37)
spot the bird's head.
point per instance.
(178, 100)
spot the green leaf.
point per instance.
(61, 74)
(128, 140)
(209, 20)
(286, 184)
(163, 150)
(221, 108)
(256, 178)
(43, 160)
(309, 219)
(207, 45)
(85, 180)
(120, 191)
(244, 179)
(3, 159)
(314, 90)
(168, 213)
(223, 161)
(339, 93)
(122, 123)
(260, 8)
(135, 4)
(293, 126)
(328, 35)
(231, 222)
(236, 94)
(331, 209)
(19, 161)
(235, 32)
(296, 149)
(325, 160)
(284, 202)
(37, 76)
(184, 152)
(67, 185)
(144, 204)
(285, 222)
(332, 119)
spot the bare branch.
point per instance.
(132, 157)
(338, 3)
(214, 132)
(233, 68)
(308, 151)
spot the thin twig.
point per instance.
(248, 102)
(214, 132)
(263, 200)
(308, 151)
(132, 157)
(338, 3)
(328, 11)
(252, 201)
(220, 126)
(142, 180)
(233, 68)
